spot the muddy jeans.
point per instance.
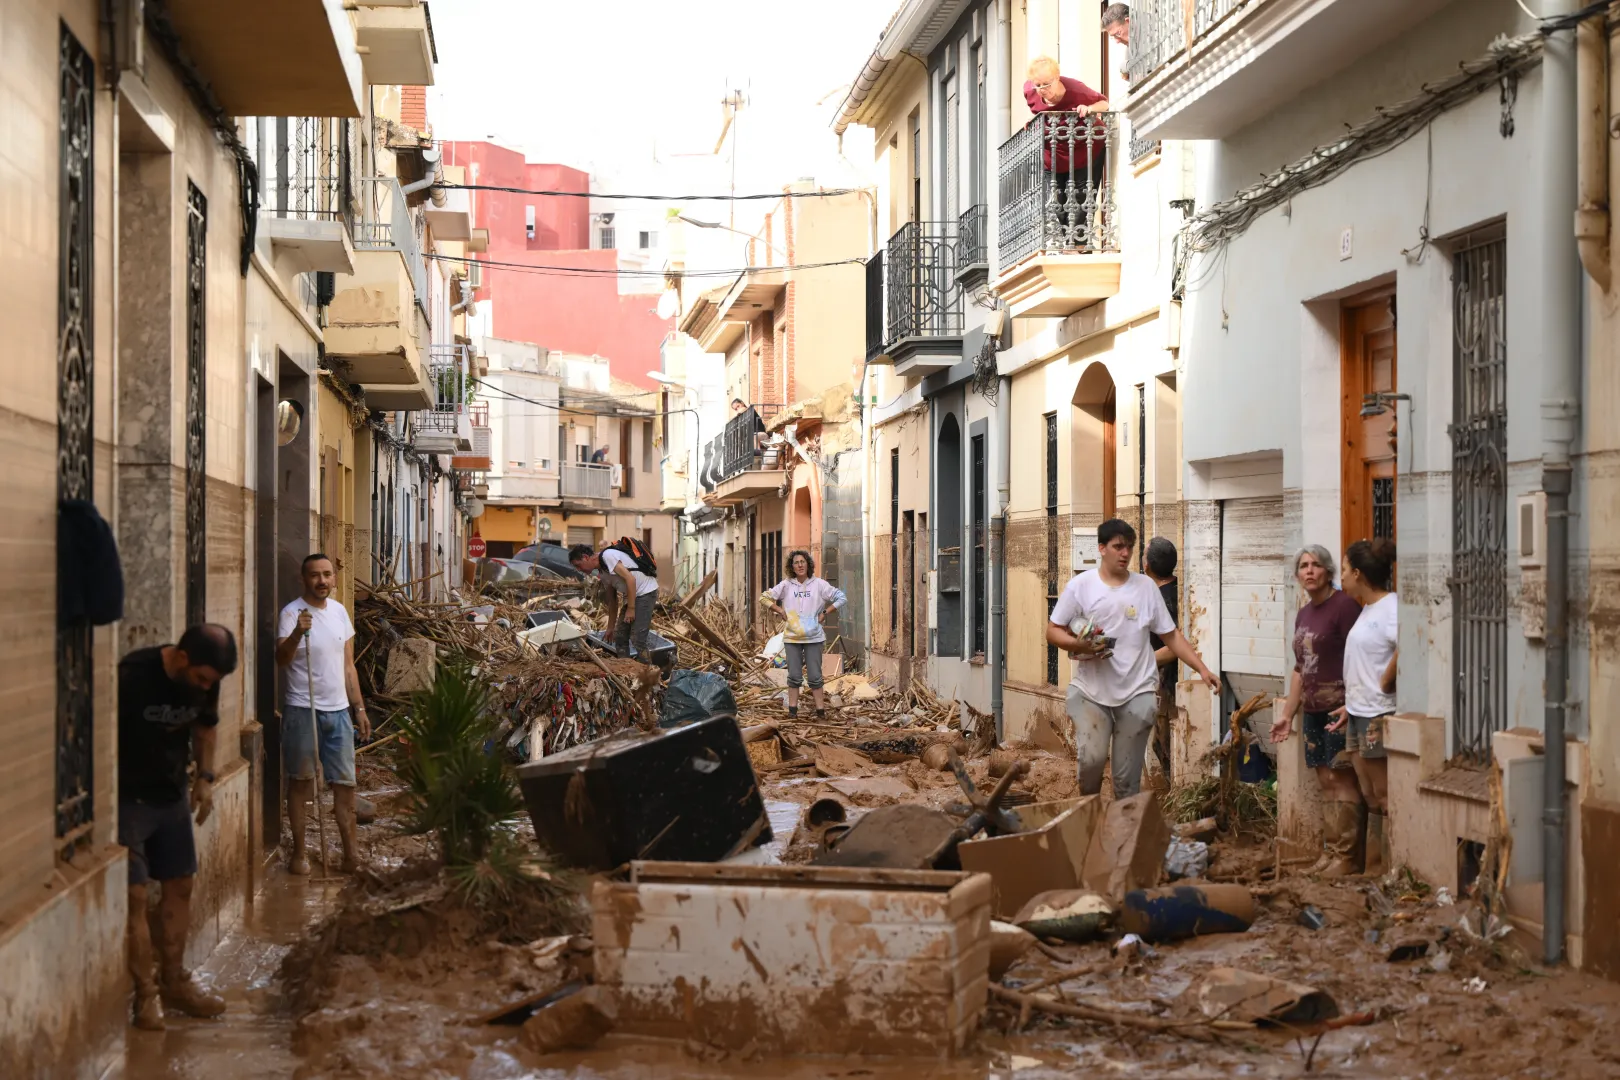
(1122, 729)
(632, 628)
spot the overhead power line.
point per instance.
(824, 193)
(552, 270)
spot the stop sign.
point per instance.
(476, 547)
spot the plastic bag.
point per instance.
(696, 695)
(1186, 859)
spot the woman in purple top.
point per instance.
(1316, 690)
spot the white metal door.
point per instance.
(1253, 577)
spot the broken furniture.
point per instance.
(689, 793)
(1049, 854)
(796, 959)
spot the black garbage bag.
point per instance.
(691, 696)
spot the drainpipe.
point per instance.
(1000, 121)
(433, 159)
(1562, 298)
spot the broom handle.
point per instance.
(315, 736)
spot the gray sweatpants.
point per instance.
(635, 631)
(801, 656)
(1112, 732)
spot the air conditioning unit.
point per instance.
(528, 221)
(475, 274)
(617, 478)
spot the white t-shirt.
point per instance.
(1367, 649)
(1126, 613)
(329, 628)
(612, 560)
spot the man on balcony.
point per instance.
(1082, 158)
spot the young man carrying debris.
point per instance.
(1104, 619)
(168, 707)
(315, 649)
(622, 572)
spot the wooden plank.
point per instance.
(703, 586)
(708, 633)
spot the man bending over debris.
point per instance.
(315, 647)
(1104, 619)
(168, 707)
(620, 570)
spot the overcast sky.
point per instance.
(620, 86)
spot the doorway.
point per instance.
(1094, 460)
(1369, 423)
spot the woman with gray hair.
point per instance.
(1316, 688)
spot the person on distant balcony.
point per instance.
(600, 457)
(1116, 23)
(1085, 158)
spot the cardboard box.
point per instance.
(1127, 850)
(796, 959)
(1051, 855)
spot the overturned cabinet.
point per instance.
(796, 960)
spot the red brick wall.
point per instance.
(413, 107)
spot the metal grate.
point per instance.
(973, 238)
(75, 432)
(894, 543)
(1479, 497)
(1383, 507)
(980, 537)
(196, 406)
(1055, 195)
(1051, 537)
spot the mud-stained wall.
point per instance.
(894, 604)
(842, 549)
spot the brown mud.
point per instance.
(382, 981)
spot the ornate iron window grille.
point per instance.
(1479, 497)
(980, 509)
(1051, 537)
(196, 405)
(973, 239)
(1055, 195)
(920, 266)
(1383, 507)
(75, 431)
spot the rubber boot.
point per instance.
(180, 989)
(1377, 845)
(1342, 821)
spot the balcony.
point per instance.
(304, 205)
(446, 428)
(453, 220)
(587, 481)
(973, 244)
(1246, 56)
(921, 330)
(1059, 243)
(244, 60)
(398, 42)
(747, 464)
(376, 322)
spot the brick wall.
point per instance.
(413, 107)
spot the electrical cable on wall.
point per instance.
(826, 193)
(550, 270)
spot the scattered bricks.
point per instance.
(575, 1022)
(412, 666)
(1127, 851)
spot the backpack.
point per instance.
(629, 545)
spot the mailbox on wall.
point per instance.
(1083, 549)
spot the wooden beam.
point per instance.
(703, 586)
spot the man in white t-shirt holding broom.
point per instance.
(1104, 619)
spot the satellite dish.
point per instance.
(545, 525)
(289, 419)
(669, 304)
(473, 508)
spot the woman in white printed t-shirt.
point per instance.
(1113, 697)
(1370, 653)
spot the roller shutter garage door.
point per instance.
(1254, 571)
(581, 534)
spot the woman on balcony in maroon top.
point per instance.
(1048, 90)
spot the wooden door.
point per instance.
(1110, 461)
(1367, 365)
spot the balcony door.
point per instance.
(1368, 424)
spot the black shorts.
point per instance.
(160, 841)
(1322, 745)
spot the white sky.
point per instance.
(625, 88)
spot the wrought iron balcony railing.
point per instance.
(584, 480)
(973, 239)
(1055, 192)
(303, 165)
(1141, 148)
(920, 264)
(447, 368)
(1159, 31)
(740, 450)
(386, 224)
(875, 338)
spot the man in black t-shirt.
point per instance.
(168, 707)
(1160, 560)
